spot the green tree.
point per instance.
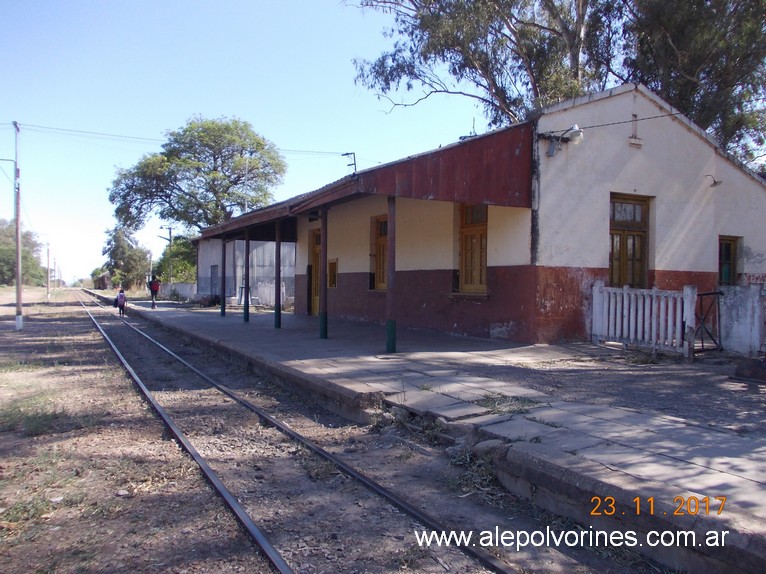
(207, 172)
(705, 57)
(510, 55)
(31, 270)
(182, 258)
(127, 262)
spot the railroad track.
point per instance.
(303, 506)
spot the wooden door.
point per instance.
(316, 261)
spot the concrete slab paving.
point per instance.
(481, 421)
(570, 441)
(459, 391)
(421, 402)
(518, 429)
(608, 430)
(611, 454)
(557, 417)
(456, 411)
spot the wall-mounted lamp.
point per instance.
(716, 182)
(573, 135)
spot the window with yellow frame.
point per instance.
(473, 249)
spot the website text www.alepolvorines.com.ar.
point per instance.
(521, 539)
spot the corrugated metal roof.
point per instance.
(494, 168)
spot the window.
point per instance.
(379, 251)
(727, 260)
(332, 273)
(628, 227)
(473, 249)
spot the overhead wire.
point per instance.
(148, 139)
(89, 133)
(630, 121)
(8, 177)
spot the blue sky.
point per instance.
(140, 68)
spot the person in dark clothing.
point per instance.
(122, 302)
(154, 289)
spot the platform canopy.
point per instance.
(491, 169)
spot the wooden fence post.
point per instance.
(597, 326)
(690, 319)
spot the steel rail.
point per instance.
(271, 553)
(483, 556)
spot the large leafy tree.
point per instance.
(511, 55)
(32, 273)
(706, 57)
(181, 259)
(207, 172)
(127, 262)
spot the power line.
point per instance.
(89, 133)
(141, 138)
(310, 152)
(632, 120)
(8, 177)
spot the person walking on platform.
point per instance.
(154, 289)
(122, 302)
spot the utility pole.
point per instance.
(352, 156)
(17, 209)
(48, 269)
(169, 239)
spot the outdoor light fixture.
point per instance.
(573, 135)
(716, 182)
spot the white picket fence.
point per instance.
(648, 318)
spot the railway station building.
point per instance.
(509, 234)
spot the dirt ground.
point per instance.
(80, 463)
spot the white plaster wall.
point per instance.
(740, 211)
(741, 327)
(208, 253)
(686, 214)
(349, 233)
(301, 252)
(425, 233)
(508, 236)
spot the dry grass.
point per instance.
(498, 403)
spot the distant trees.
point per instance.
(705, 57)
(32, 273)
(207, 172)
(127, 262)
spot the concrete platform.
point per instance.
(611, 468)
